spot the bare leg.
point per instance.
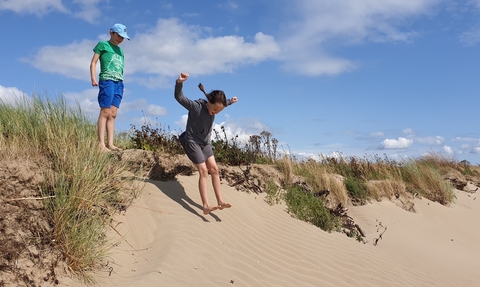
(110, 124)
(202, 187)
(211, 165)
(101, 125)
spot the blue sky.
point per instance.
(356, 77)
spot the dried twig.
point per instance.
(379, 225)
(28, 198)
(159, 211)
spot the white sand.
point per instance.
(254, 244)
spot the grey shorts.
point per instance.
(196, 153)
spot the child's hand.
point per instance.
(182, 78)
(234, 100)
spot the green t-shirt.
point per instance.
(111, 61)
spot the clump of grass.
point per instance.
(286, 167)
(380, 189)
(357, 189)
(84, 187)
(424, 178)
(364, 176)
(304, 206)
(274, 193)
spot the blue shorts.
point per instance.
(110, 93)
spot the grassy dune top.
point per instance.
(60, 192)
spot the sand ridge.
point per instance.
(254, 244)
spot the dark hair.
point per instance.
(214, 96)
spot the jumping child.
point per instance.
(196, 139)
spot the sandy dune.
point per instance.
(254, 244)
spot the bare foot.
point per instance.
(224, 205)
(104, 148)
(114, 148)
(208, 209)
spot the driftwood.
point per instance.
(472, 191)
(348, 222)
(245, 180)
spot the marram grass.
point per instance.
(84, 186)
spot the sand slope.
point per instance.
(254, 244)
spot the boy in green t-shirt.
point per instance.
(110, 82)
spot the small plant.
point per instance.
(354, 234)
(380, 236)
(304, 206)
(274, 195)
(232, 152)
(357, 189)
(156, 139)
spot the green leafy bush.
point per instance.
(357, 189)
(304, 206)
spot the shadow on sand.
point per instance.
(176, 192)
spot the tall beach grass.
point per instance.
(83, 186)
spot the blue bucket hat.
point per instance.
(121, 30)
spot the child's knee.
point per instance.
(213, 170)
(203, 172)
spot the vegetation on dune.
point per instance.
(305, 183)
(84, 188)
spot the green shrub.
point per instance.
(357, 189)
(304, 206)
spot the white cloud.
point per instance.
(470, 38)
(182, 123)
(438, 140)
(161, 52)
(408, 131)
(89, 10)
(319, 23)
(448, 150)
(460, 139)
(172, 47)
(87, 100)
(156, 111)
(377, 134)
(400, 143)
(11, 95)
(475, 3)
(476, 150)
(37, 7)
(240, 130)
(143, 121)
(72, 60)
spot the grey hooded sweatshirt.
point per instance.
(200, 122)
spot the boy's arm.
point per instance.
(93, 69)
